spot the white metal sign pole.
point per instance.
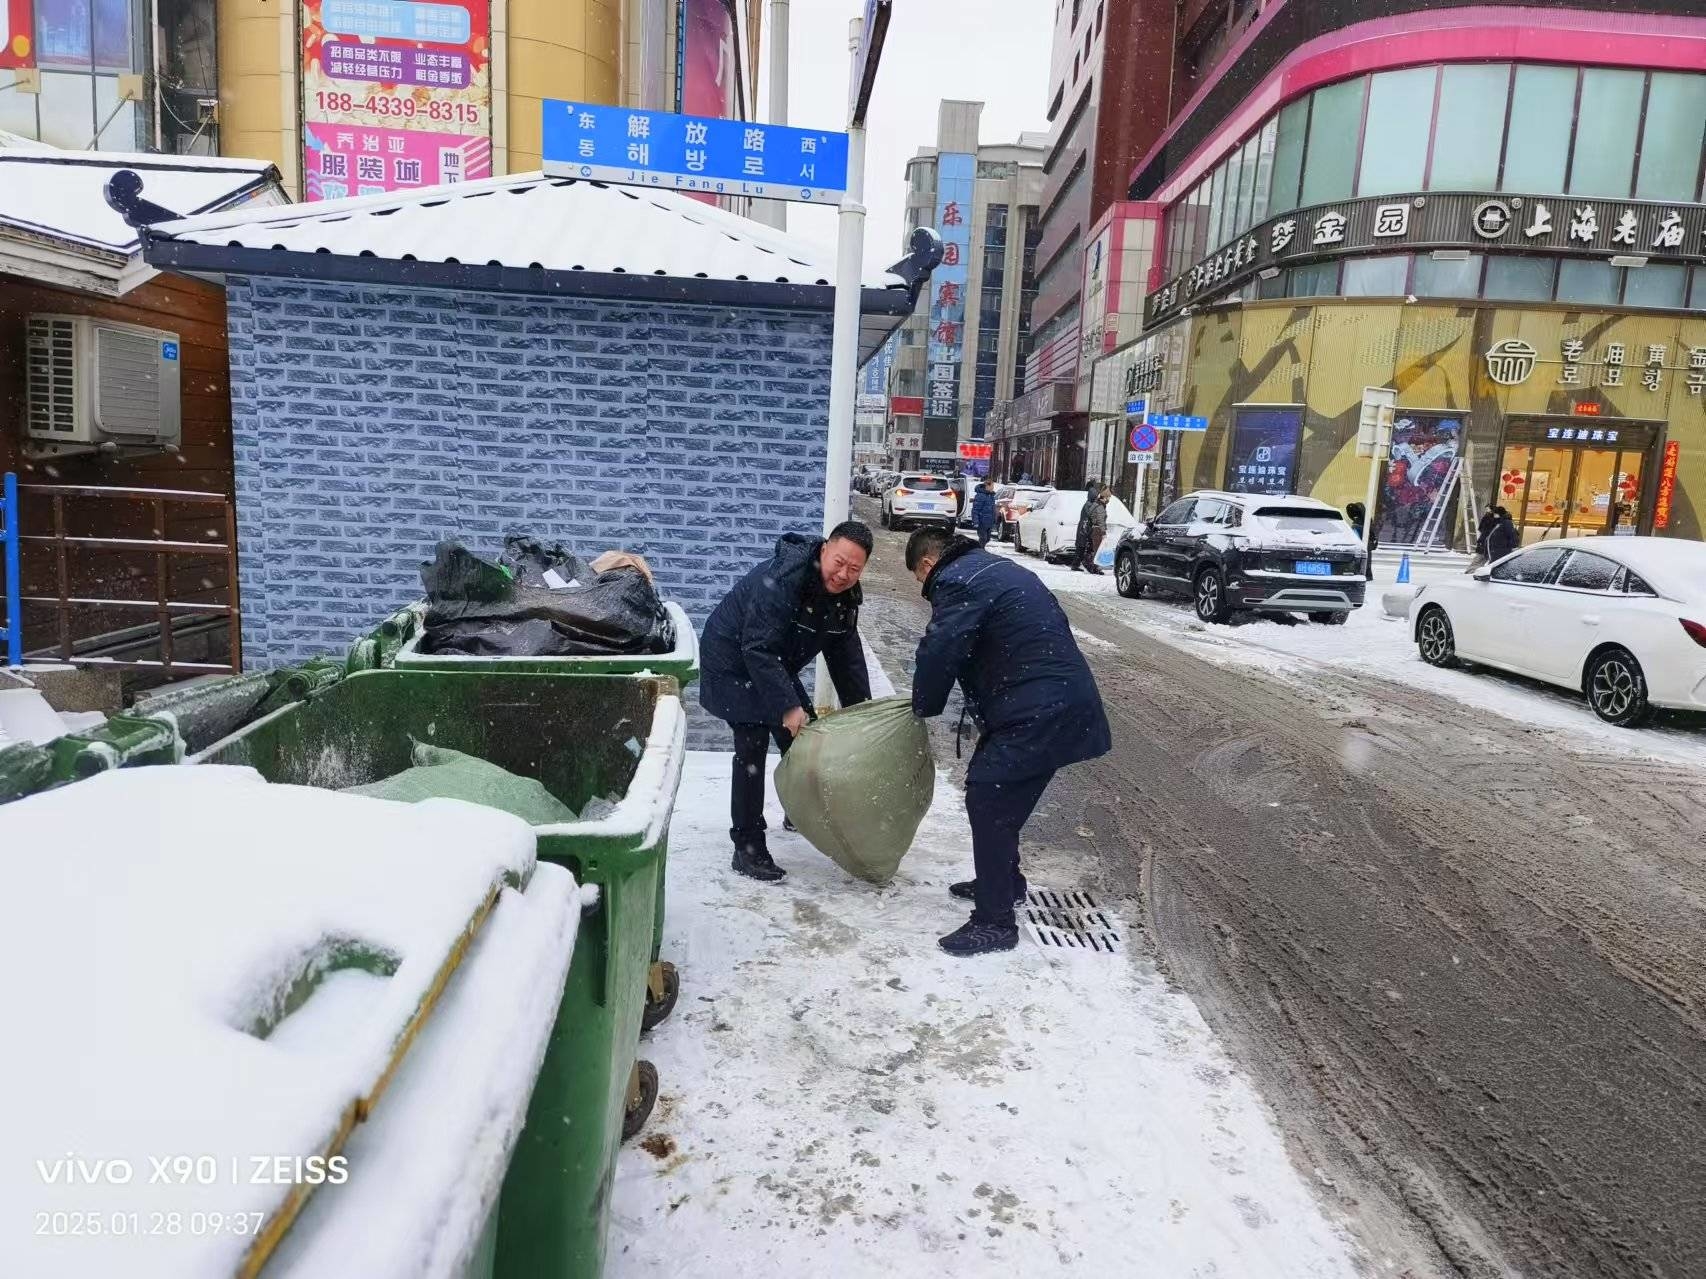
(844, 350)
(844, 354)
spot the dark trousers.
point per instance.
(746, 788)
(983, 533)
(998, 812)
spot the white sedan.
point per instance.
(1620, 619)
(1051, 530)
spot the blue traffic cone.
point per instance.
(1404, 571)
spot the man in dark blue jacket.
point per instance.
(1001, 633)
(983, 510)
(801, 602)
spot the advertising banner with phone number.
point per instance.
(396, 95)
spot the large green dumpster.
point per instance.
(396, 642)
(608, 741)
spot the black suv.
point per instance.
(1232, 552)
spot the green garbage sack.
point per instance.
(446, 774)
(857, 782)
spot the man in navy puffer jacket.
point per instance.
(804, 600)
(998, 631)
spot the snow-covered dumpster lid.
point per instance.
(210, 981)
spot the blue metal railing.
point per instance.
(12, 632)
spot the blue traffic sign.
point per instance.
(693, 153)
(1136, 408)
(1144, 438)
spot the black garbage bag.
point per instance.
(619, 613)
(553, 567)
(456, 573)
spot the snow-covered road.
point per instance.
(841, 1099)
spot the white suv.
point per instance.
(919, 498)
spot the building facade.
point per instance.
(1109, 76)
(962, 354)
(1497, 213)
(353, 99)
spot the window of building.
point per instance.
(1216, 208)
(1511, 279)
(1537, 145)
(1264, 174)
(1671, 138)
(1657, 286)
(1697, 297)
(1292, 129)
(1075, 68)
(1395, 139)
(1227, 226)
(1247, 184)
(1447, 277)
(1469, 127)
(1381, 277)
(1590, 283)
(1087, 34)
(1318, 281)
(1098, 19)
(1200, 204)
(1603, 160)
(1335, 125)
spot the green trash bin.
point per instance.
(586, 738)
(398, 640)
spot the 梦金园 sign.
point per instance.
(693, 153)
(396, 95)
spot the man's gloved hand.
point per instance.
(795, 720)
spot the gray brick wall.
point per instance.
(370, 421)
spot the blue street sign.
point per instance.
(1136, 408)
(1177, 422)
(693, 153)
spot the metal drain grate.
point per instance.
(1070, 920)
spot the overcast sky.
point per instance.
(995, 53)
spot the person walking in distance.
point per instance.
(1081, 542)
(1356, 514)
(983, 510)
(1502, 538)
(801, 602)
(1096, 508)
(998, 632)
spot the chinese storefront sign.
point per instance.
(1598, 228)
(955, 175)
(17, 34)
(1609, 364)
(395, 95)
(693, 153)
(1667, 485)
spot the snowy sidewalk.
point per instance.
(839, 1098)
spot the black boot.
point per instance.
(754, 861)
(966, 890)
(788, 824)
(975, 937)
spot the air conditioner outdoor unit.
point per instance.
(94, 382)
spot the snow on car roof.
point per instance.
(1672, 565)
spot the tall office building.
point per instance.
(962, 352)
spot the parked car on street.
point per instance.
(1051, 528)
(1621, 620)
(1236, 552)
(919, 498)
(1012, 503)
